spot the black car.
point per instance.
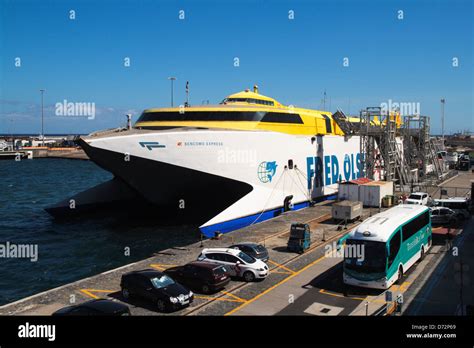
(200, 276)
(95, 307)
(255, 250)
(156, 287)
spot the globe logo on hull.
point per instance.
(266, 171)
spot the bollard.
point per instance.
(324, 236)
(202, 245)
(367, 309)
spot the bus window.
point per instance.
(394, 247)
(415, 225)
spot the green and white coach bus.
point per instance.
(391, 242)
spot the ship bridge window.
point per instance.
(248, 100)
(259, 116)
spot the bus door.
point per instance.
(394, 255)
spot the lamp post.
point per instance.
(443, 101)
(172, 79)
(42, 118)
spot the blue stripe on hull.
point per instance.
(232, 225)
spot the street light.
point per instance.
(42, 118)
(172, 79)
(443, 101)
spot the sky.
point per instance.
(294, 50)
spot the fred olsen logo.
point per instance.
(150, 145)
(266, 171)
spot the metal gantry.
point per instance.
(400, 148)
(420, 147)
(380, 149)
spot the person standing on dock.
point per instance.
(449, 240)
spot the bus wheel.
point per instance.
(400, 276)
(422, 256)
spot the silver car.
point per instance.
(442, 216)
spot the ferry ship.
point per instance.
(230, 165)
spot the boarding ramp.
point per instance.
(343, 122)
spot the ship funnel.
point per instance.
(255, 89)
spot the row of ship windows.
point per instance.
(249, 100)
(260, 116)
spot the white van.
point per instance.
(460, 205)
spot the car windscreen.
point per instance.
(246, 258)
(219, 271)
(161, 282)
(365, 256)
(412, 196)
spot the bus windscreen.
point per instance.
(373, 260)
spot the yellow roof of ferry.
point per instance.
(247, 94)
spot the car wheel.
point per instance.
(161, 305)
(400, 276)
(125, 293)
(205, 289)
(249, 276)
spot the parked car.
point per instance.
(200, 276)
(156, 287)
(95, 307)
(419, 198)
(255, 250)
(238, 263)
(441, 215)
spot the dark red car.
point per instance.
(200, 276)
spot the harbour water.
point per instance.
(74, 249)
